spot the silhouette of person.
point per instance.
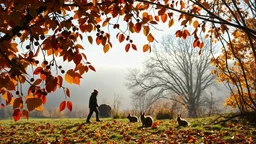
(93, 105)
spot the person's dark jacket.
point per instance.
(93, 101)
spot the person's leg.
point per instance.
(89, 115)
(97, 115)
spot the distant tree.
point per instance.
(175, 70)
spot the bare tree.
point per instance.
(174, 71)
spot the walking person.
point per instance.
(93, 105)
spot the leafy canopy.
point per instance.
(53, 29)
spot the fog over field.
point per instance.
(109, 78)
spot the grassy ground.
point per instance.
(120, 131)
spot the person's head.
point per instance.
(95, 92)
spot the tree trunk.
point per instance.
(192, 111)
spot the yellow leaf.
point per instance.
(106, 48)
(40, 108)
(195, 24)
(171, 23)
(69, 76)
(14, 47)
(94, 2)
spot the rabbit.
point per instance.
(132, 118)
(181, 122)
(147, 121)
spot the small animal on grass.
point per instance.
(147, 121)
(132, 118)
(181, 122)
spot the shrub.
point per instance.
(164, 113)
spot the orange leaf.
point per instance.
(25, 114)
(146, 47)
(16, 114)
(67, 92)
(77, 79)
(38, 70)
(60, 80)
(195, 24)
(146, 30)
(127, 47)
(106, 48)
(201, 45)
(92, 68)
(69, 105)
(206, 5)
(182, 4)
(69, 76)
(164, 18)
(37, 82)
(98, 40)
(150, 38)
(137, 27)
(63, 105)
(121, 38)
(156, 18)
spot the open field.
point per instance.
(120, 131)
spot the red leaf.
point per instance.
(16, 114)
(121, 38)
(134, 47)
(63, 105)
(86, 68)
(67, 92)
(127, 47)
(92, 68)
(77, 59)
(137, 27)
(44, 99)
(38, 70)
(25, 114)
(17, 102)
(69, 105)
(196, 43)
(2, 105)
(178, 33)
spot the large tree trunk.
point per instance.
(192, 110)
